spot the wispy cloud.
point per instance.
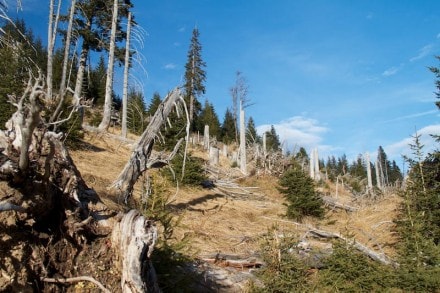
(169, 66)
(181, 29)
(401, 147)
(425, 51)
(298, 131)
(370, 15)
(391, 71)
(412, 116)
(176, 44)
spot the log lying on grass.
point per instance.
(331, 202)
(380, 257)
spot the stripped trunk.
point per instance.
(140, 158)
(63, 83)
(370, 182)
(125, 87)
(51, 34)
(105, 123)
(243, 167)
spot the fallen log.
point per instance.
(380, 257)
(329, 201)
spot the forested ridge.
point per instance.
(183, 200)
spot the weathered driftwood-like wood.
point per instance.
(380, 257)
(133, 240)
(233, 261)
(76, 279)
(332, 202)
(140, 157)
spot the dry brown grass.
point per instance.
(218, 223)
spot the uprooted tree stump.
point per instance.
(50, 220)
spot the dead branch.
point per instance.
(380, 257)
(329, 201)
(74, 280)
(140, 158)
(7, 206)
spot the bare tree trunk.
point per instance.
(312, 164)
(140, 158)
(243, 167)
(213, 156)
(133, 240)
(63, 83)
(105, 123)
(378, 177)
(370, 182)
(317, 175)
(27, 120)
(51, 36)
(206, 137)
(125, 87)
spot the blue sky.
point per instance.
(343, 76)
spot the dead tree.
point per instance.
(140, 159)
(105, 123)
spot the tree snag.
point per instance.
(140, 160)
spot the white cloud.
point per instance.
(426, 50)
(401, 147)
(370, 15)
(169, 66)
(176, 44)
(415, 115)
(298, 131)
(181, 29)
(390, 71)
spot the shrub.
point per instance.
(299, 190)
(283, 271)
(347, 270)
(194, 174)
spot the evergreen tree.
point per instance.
(272, 140)
(19, 52)
(209, 117)
(228, 128)
(342, 165)
(299, 190)
(195, 77)
(154, 104)
(96, 87)
(136, 114)
(358, 169)
(419, 223)
(251, 133)
(436, 71)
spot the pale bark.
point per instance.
(378, 178)
(63, 83)
(243, 167)
(206, 137)
(105, 123)
(369, 180)
(140, 158)
(51, 36)
(133, 240)
(213, 156)
(332, 202)
(312, 164)
(317, 175)
(125, 86)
